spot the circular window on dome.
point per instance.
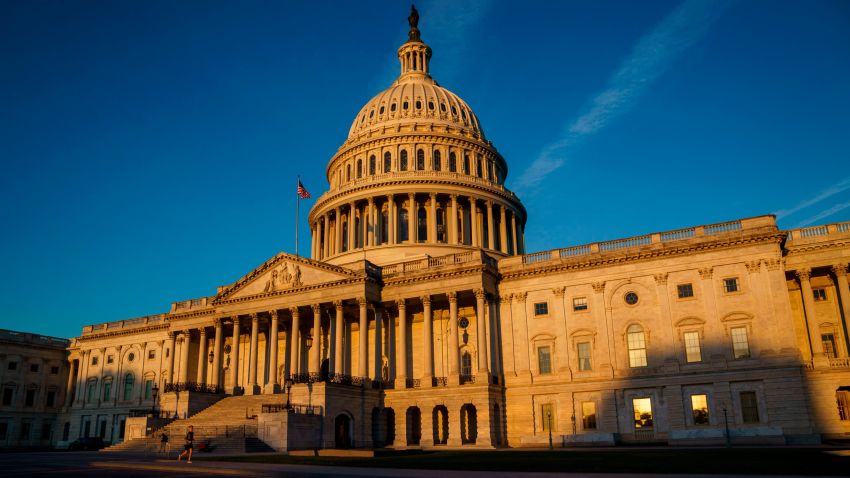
(430, 105)
(418, 105)
(381, 111)
(392, 107)
(404, 105)
(631, 298)
(131, 357)
(463, 322)
(443, 107)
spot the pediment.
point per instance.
(284, 273)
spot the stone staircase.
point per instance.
(230, 425)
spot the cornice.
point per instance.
(793, 249)
(440, 275)
(118, 333)
(279, 293)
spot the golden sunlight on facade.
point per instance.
(419, 320)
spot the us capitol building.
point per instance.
(420, 320)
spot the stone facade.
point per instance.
(420, 320)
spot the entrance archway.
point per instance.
(342, 431)
(468, 424)
(414, 425)
(440, 418)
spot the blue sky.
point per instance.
(149, 150)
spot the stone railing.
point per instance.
(291, 408)
(842, 362)
(428, 262)
(815, 233)
(193, 387)
(648, 240)
(191, 304)
(35, 339)
(124, 324)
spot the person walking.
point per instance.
(187, 448)
(163, 443)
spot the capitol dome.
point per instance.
(415, 177)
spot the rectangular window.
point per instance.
(34, 367)
(51, 398)
(151, 354)
(544, 360)
(54, 370)
(730, 285)
(584, 363)
(547, 417)
(579, 303)
(740, 343)
(12, 366)
(29, 399)
(685, 290)
(8, 394)
(820, 294)
(91, 392)
(94, 360)
(107, 391)
(588, 415)
(148, 389)
(541, 308)
(699, 407)
(110, 359)
(692, 348)
(643, 412)
(749, 407)
(828, 341)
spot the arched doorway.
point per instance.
(389, 426)
(468, 424)
(414, 425)
(441, 425)
(342, 431)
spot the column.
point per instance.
(369, 224)
(432, 218)
(216, 370)
(339, 362)
(252, 387)
(481, 332)
(184, 357)
(271, 386)
(427, 342)
(840, 271)
(202, 356)
(379, 316)
(338, 231)
(809, 312)
(172, 341)
(401, 355)
(234, 357)
(521, 238)
(503, 233)
(391, 217)
(70, 385)
(491, 242)
(453, 345)
(313, 241)
(326, 238)
(317, 339)
(473, 222)
(412, 218)
(294, 346)
(361, 335)
(513, 231)
(352, 232)
(452, 220)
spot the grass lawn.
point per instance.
(786, 461)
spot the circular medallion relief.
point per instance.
(463, 322)
(631, 298)
(131, 356)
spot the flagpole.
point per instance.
(297, 207)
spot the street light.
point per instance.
(211, 357)
(309, 341)
(155, 391)
(549, 419)
(288, 384)
(726, 421)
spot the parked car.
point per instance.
(87, 443)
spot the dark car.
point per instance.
(88, 443)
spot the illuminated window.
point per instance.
(643, 412)
(588, 415)
(740, 343)
(699, 407)
(692, 348)
(579, 303)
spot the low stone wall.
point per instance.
(290, 431)
(139, 427)
(186, 403)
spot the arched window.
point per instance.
(404, 105)
(443, 107)
(637, 346)
(358, 230)
(479, 171)
(392, 107)
(441, 225)
(348, 172)
(465, 163)
(422, 225)
(387, 162)
(466, 364)
(436, 160)
(128, 386)
(385, 227)
(345, 235)
(381, 111)
(420, 160)
(452, 162)
(402, 160)
(372, 165)
(359, 168)
(401, 230)
(418, 105)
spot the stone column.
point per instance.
(326, 238)
(352, 231)
(294, 346)
(521, 238)
(491, 242)
(379, 313)
(339, 362)
(234, 357)
(427, 342)
(84, 369)
(412, 218)
(369, 224)
(401, 357)
(453, 378)
(252, 387)
(184, 357)
(473, 222)
(452, 220)
(503, 232)
(274, 326)
(172, 341)
(202, 356)
(481, 332)
(809, 310)
(513, 231)
(216, 365)
(69, 398)
(363, 340)
(338, 231)
(317, 338)
(432, 218)
(840, 271)
(312, 241)
(391, 228)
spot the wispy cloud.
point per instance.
(650, 58)
(823, 214)
(836, 188)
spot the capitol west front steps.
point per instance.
(230, 425)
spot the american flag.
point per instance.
(302, 191)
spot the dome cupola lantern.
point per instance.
(414, 55)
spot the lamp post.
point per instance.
(288, 384)
(726, 421)
(549, 419)
(155, 391)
